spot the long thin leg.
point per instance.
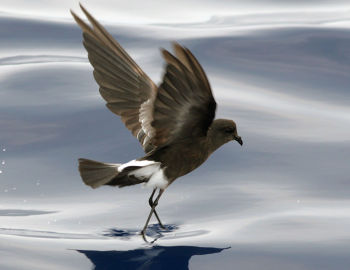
(150, 201)
(155, 203)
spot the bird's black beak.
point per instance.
(239, 140)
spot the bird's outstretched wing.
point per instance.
(123, 84)
(181, 107)
(184, 106)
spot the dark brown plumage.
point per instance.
(173, 122)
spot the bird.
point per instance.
(173, 121)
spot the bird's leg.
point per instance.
(150, 214)
(150, 201)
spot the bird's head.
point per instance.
(223, 131)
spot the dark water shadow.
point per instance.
(157, 257)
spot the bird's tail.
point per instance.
(95, 173)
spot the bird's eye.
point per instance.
(229, 130)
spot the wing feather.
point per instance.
(184, 106)
(123, 85)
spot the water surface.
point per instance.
(279, 202)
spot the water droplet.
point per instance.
(14, 188)
(3, 162)
(38, 183)
(4, 149)
(0, 171)
(24, 201)
(6, 190)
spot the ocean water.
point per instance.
(282, 201)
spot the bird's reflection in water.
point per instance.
(156, 257)
(154, 231)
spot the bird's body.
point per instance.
(174, 122)
(169, 162)
(181, 158)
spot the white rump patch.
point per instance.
(150, 169)
(138, 163)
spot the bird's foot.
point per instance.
(161, 225)
(143, 234)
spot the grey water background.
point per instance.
(281, 201)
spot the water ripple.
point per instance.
(35, 59)
(19, 212)
(46, 234)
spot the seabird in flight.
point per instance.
(174, 121)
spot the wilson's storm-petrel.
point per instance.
(174, 121)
